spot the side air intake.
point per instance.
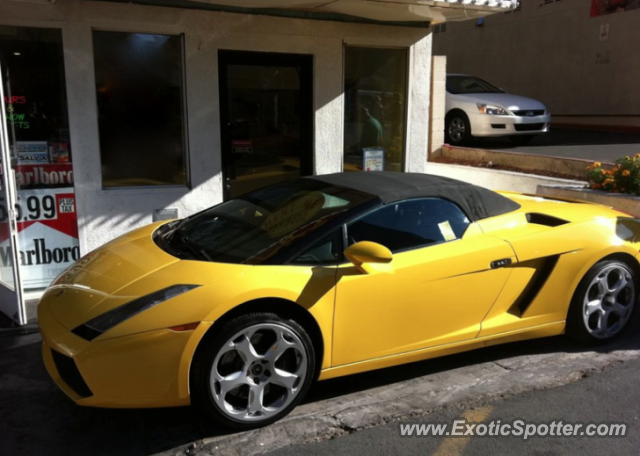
(546, 220)
(543, 269)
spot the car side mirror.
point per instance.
(365, 254)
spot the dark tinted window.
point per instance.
(326, 251)
(255, 227)
(469, 84)
(410, 224)
(139, 89)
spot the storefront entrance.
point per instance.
(38, 222)
(266, 105)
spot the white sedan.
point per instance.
(476, 108)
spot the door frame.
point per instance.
(305, 62)
(9, 192)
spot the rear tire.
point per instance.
(252, 371)
(603, 303)
(457, 129)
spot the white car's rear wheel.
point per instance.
(255, 371)
(603, 303)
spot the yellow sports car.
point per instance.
(239, 308)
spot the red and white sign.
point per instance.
(55, 174)
(60, 174)
(47, 235)
(241, 146)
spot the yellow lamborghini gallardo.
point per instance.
(239, 308)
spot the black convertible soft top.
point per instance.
(477, 202)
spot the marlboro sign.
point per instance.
(38, 175)
(47, 235)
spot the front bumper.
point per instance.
(486, 125)
(149, 369)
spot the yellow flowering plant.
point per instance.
(623, 178)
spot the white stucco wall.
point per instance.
(105, 214)
(554, 53)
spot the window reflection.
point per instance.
(264, 125)
(375, 93)
(140, 108)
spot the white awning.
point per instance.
(380, 10)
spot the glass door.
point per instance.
(39, 229)
(12, 310)
(266, 105)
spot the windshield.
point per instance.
(469, 84)
(254, 227)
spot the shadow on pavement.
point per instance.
(38, 419)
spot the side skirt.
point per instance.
(547, 330)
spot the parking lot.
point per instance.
(603, 146)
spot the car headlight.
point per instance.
(98, 325)
(490, 109)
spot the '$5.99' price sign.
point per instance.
(47, 234)
(31, 208)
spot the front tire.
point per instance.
(458, 129)
(603, 303)
(254, 371)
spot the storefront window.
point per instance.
(40, 154)
(375, 103)
(139, 86)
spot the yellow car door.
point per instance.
(436, 290)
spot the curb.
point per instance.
(467, 385)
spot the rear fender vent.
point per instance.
(543, 269)
(546, 220)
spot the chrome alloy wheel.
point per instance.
(258, 372)
(608, 302)
(457, 129)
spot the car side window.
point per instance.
(410, 224)
(326, 251)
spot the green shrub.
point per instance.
(623, 178)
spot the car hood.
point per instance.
(123, 270)
(504, 100)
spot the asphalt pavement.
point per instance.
(603, 146)
(611, 396)
(37, 419)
